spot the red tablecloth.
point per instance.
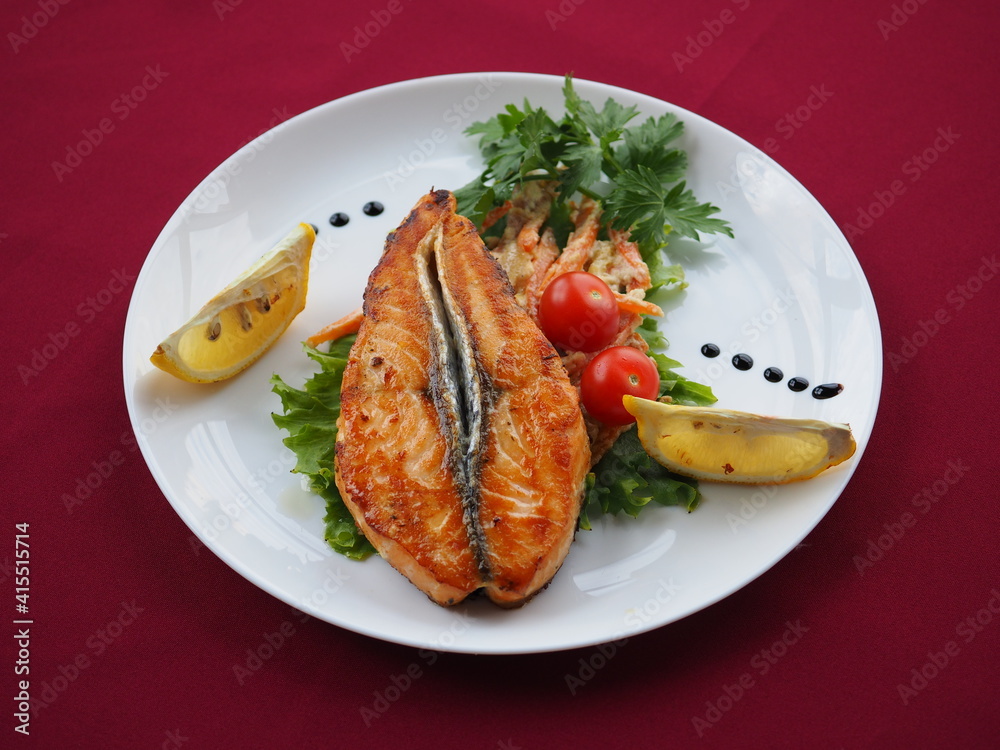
(885, 111)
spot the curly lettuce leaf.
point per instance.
(680, 389)
(310, 418)
(626, 480)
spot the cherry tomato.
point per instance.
(613, 373)
(578, 312)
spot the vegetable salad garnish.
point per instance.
(598, 191)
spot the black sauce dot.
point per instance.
(315, 228)
(742, 361)
(827, 390)
(373, 208)
(773, 375)
(710, 350)
(798, 384)
(339, 219)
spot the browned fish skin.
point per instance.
(535, 454)
(393, 453)
(462, 450)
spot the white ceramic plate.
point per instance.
(788, 291)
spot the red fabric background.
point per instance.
(167, 679)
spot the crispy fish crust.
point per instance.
(461, 450)
(535, 453)
(393, 455)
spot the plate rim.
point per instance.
(238, 565)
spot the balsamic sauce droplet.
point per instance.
(743, 361)
(339, 219)
(315, 228)
(798, 384)
(773, 375)
(827, 390)
(373, 208)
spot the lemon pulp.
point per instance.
(242, 321)
(723, 445)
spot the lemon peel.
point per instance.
(242, 321)
(722, 445)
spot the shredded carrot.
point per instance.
(545, 254)
(633, 305)
(495, 215)
(527, 238)
(580, 242)
(630, 253)
(350, 323)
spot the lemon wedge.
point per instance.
(242, 321)
(721, 445)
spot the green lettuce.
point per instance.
(680, 389)
(310, 418)
(626, 479)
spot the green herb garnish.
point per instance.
(632, 171)
(310, 417)
(626, 479)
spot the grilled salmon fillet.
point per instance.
(461, 450)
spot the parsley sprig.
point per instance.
(632, 170)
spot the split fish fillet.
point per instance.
(461, 450)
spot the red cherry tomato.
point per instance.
(613, 373)
(578, 312)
